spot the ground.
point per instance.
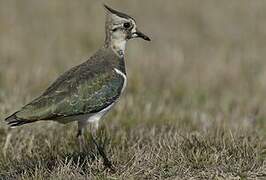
(194, 107)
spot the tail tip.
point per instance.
(13, 121)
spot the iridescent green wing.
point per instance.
(82, 92)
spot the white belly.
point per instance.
(95, 117)
(86, 118)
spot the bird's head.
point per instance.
(120, 27)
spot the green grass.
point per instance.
(194, 107)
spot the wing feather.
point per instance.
(87, 88)
(92, 95)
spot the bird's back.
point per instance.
(86, 88)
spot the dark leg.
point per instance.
(80, 136)
(107, 163)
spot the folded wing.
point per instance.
(79, 91)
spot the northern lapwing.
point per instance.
(88, 91)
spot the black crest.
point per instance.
(120, 14)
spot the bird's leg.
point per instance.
(8, 138)
(80, 136)
(107, 163)
(81, 140)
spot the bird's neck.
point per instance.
(118, 46)
(110, 57)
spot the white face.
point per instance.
(122, 30)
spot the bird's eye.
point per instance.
(115, 29)
(127, 25)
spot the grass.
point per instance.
(194, 107)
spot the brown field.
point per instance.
(194, 107)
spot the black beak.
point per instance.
(139, 34)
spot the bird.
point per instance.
(86, 92)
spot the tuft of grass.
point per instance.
(144, 152)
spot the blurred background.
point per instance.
(203, 71)
(206, 57)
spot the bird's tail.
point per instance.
(14, 121)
